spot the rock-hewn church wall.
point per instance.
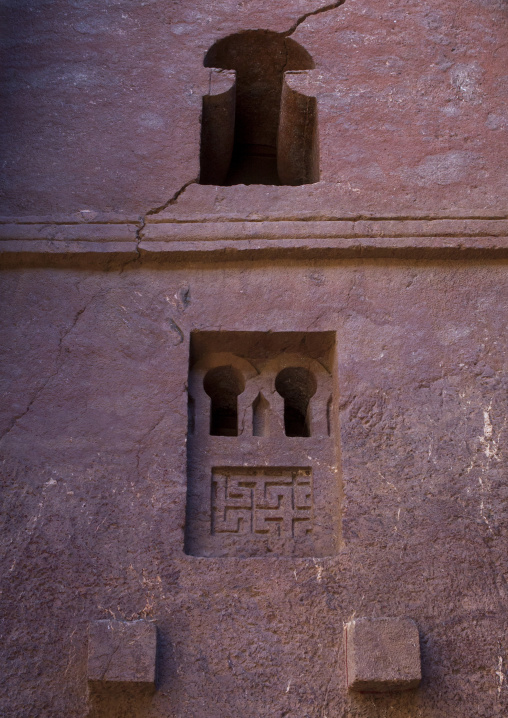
(254, 345)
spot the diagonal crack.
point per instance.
(155, 210)
(141, 443)
(171, 200)
(59, 360)
(174, 198)
(326, 8)
(59, 363)
(334, 666)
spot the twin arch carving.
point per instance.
(287, 396)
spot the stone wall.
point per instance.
(250, 538)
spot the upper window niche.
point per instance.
(257, 127)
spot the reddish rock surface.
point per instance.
(382, 655)
(103, 103)
(122, 652)
(94, 465)
(114, 257)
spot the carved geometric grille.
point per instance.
(274, 502)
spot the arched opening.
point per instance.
(260, 410)
(296, 385)
(223, 385)
(260, 58)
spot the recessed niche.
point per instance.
(296, 385)
(263, 472)
(223, 384)
(256, 127)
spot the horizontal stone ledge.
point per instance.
(467, 248)
(335, 248)
(53, 232)
(209, 241)
(64, 246)
(323, 229)
(247, 230)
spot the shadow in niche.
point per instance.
(223, 385)
(260, 58)
(297, 386)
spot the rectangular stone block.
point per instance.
(122, 652)
(382, 655)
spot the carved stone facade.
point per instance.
(254, 306)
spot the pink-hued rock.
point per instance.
(103, 103)
(385, 278)
(122, 652)
(382, 655)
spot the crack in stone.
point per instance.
(40, 390)
(155, 210)
(326, 8)
(110, 659)
(333, 671)
(174, 198)
(144, 438)
(139, 237)
(59, 361)
(140, 444)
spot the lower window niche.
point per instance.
(262, 453)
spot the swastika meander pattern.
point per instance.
(262, 501)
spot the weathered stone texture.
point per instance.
(116, 256)
(103, 103)
(382, 655)
(94, 475)
(122, 652)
